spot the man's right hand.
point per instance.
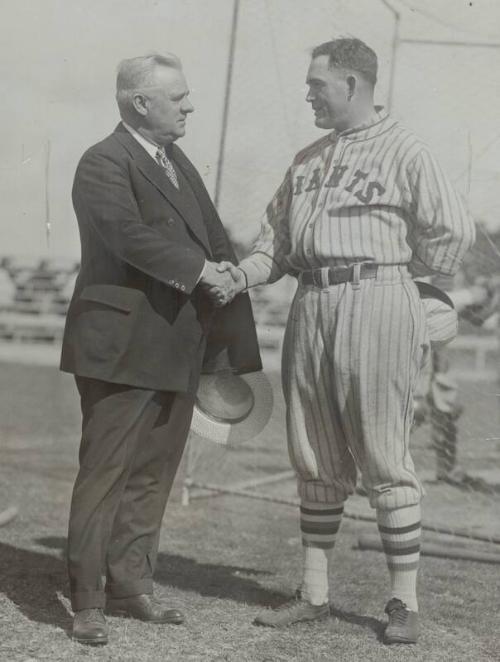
(222, 282)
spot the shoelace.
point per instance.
(288, 606)
(397, 611)
(297, 605)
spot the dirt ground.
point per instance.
(223, 559)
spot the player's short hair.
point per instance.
(350, 53)
(137, 73)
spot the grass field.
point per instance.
(223, 559)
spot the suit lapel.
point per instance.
(181, 200)
(219, 242)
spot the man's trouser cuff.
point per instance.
(127, 589)
(97, 599)
(88, 600)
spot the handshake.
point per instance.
(222, 282)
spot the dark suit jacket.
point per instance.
(137, 316)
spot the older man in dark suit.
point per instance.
(144, 319)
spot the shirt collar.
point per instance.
(150, 147)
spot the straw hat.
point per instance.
(442, 319)
(231, 409)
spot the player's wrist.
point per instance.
(243, 281)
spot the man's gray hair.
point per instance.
(137, 73)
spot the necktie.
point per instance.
(167, 166)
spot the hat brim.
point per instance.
(232, 433)
(441, 316)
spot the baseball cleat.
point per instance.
(297, 611)
(403, 624)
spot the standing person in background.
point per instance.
(359, 213)
(437, 396)
(141, 323)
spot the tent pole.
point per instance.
(227, 98)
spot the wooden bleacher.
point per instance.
(34, 297)
(35, 293)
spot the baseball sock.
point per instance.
(319, 524)
(400, 532)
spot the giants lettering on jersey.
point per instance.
(360, 186)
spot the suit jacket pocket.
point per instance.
(107, 317)
(115, 296)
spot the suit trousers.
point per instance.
(131, 446)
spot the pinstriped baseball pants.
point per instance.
(351, 360)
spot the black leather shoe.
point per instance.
(143, 608)
(89, 627)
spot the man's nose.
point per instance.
(309, 96)
(187, 106)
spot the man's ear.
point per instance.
(351, 83)
(140, 103)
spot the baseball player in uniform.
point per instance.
(359, 213)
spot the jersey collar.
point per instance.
(375, 121)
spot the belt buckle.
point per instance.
(321, 277)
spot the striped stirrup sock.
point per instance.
(400, 532)
(319, 524)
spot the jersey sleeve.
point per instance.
(268, 261)
(441, 231)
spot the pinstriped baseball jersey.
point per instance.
(373, 193)
(352, 352)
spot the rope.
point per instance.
(459, 533)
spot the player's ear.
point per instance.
(351, 83)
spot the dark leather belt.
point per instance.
(329, 276)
